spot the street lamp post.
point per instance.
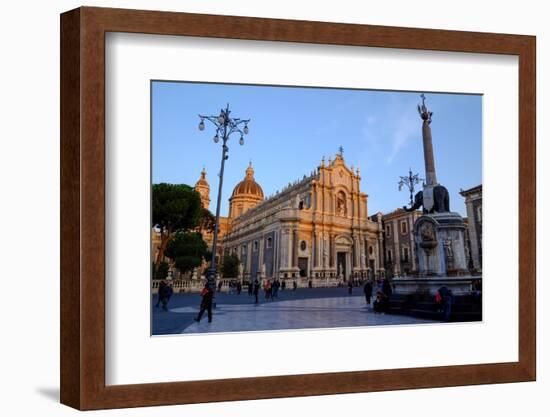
(225, 126)
(409, 181)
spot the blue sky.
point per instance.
(292, 128)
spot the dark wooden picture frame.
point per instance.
(83, 207)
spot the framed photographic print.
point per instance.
(317, 208)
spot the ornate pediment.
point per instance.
(344, 240)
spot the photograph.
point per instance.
(265, 208)
(290, 207)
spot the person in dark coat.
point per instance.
(381, 304)
(275, 289)
(446, 302)
(386, 288)
(162, 284)
(350, 287)
(239, 287)
(166, 294)
(256, 290)
(250, 288)
(367, 289)
(206, 303)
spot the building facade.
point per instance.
(399, 247)
(473, 198)
(317, 227)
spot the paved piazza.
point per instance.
(300, 309)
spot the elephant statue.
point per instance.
(440, 197)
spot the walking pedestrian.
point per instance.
(250, 287)
(162, 284)
(294, 285)
(166, 294)
(367, 289)
(239, 288)
(206, 303)
(267, 289)
(275, 289)
(283, 285)
(350, 287)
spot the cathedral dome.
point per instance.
(247, 194)
(248, 186)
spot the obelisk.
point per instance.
(429, 162)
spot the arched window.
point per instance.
(405, 254)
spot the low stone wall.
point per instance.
(458, 285)
(196, 285)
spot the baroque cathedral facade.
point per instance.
(317, 227)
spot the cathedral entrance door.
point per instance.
(341, 264)
(371, 267)
(302, 265)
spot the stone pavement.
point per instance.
(301, 309)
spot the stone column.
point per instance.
(320, 249)
(380, 253)
(332, 251)
(356, 252)
(249, 256)
(295, 248)
(276, 254)
(364, 249)
(289, 248)
(325, 251)
(283, 249)
(313, 250)
(261, 253)
(429, 162)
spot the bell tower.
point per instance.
(203, 188)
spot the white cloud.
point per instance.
(406, 127)
(390, 128)
(369, 131)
